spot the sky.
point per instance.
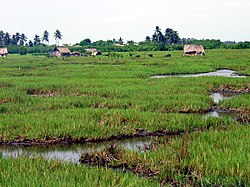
(228, 20)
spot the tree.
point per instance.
(7, 39)
(14, 40)
(130, 42)
(2, 38)
(46, 36)
(31, 44)
(23, 39)
(84, 42)
(57, 36)
(147, 39)
(158, 36)
(18, 37)
(120, 41)
(37, 40)
(172, 37)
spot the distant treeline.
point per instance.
(142, 46)
(169, 41)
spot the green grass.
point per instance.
(29, 172)
(99, 97)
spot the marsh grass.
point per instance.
(94, 98)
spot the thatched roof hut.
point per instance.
(3, 52)
(60, 51)
(194, 50)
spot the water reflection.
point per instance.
(69, 153)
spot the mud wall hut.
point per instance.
(60, 51)
(193, 50)
(3, 52)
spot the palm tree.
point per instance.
(37, 40)
(46, 36)
(7, 39)
(158, 36)
(120, 41)
(2, 40)
(23, 39)
(57, 36)
(18, 36)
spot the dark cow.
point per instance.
(167, 55)
(150, 55)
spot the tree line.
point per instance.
(159, 41)
(20, 39)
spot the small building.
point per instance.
(193, 50)
(75, 54)
(3, 52)
(96, 53)
(93, 51)
(60, 51)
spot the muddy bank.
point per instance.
(228, 89)
(70, 140)
(111, 157)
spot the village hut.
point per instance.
(75, 54)
(93, 51)
(60, 51)
(194, 50)
(3, 52)
(96, 53)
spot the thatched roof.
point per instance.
(62, 49)
(194, 49)
(3, 51)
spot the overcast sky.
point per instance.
(129, 19)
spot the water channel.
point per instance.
(219, 73)
(69, 153)
(72, 153)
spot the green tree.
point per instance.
(147, 39)
(31, 44)
(23, 39)
(85, 42)
(172, 37)
(46, 36)
(7, 39)
(120, 41)
(158, 36)
(37, 40)
(2, 38)
(57, 36)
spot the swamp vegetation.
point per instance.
(95, 99)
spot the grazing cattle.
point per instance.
(137, 56)
(150, 55)
(167, 55)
